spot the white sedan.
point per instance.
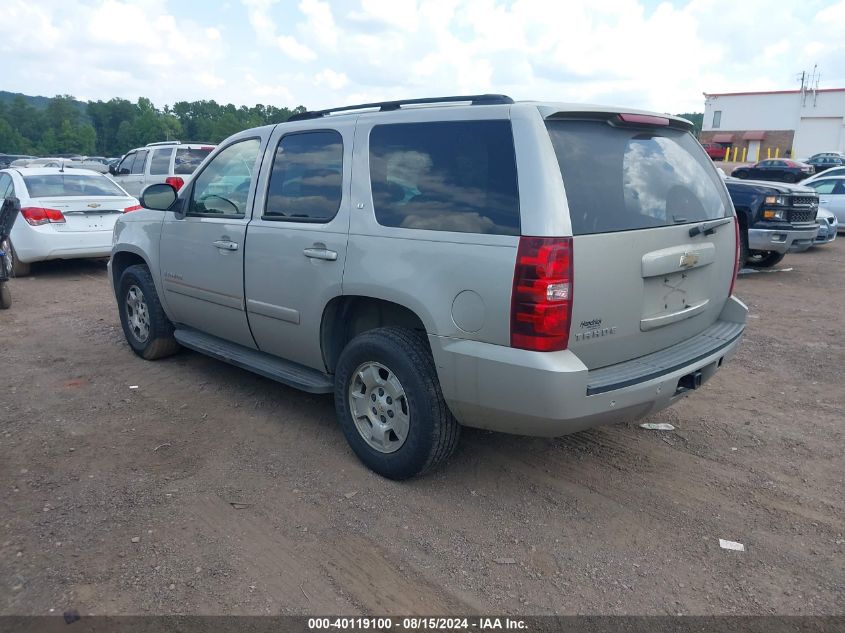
(65, 214)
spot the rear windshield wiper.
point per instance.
(708, 228)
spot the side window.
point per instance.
(307, 177)
(160, 162)
(823, 186)
(223, 186)
(140, 161)
(717, 118)
(5, 186)
(839, 189)
(125, 166)
(445, 176)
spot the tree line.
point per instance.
(111, 128)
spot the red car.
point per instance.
(715, 151)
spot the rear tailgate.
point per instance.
(646, 278)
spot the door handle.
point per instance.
(226, 245)
(320, 253)
(824, 200)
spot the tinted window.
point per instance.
(160, 162)
(619, 179)
(5, 186)
(188, 159)
(223, 186)
(445, 176)
(307, 177)
(63, 185)
(140, 161)
(126, 163)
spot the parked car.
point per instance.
(39, 162)
(7, 159)
(831, 154)
(828, 227)
(169, 161)
(780, 169)
(822, 163)
(64, 214)
(715, 150)
(416, 278)
(774, 219)
(831, 193)
(828, 173)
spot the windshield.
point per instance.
(66, 185)
(620, 179)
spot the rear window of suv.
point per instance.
(622, 179)
(445, 176)
(188, 159)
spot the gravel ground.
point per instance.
(209, 490)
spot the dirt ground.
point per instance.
(209, 490)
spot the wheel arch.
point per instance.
(347, 316)
(123, 259)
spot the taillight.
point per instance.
(541, 303)
(643, 119)
(134, 207)
(174, 181)
(39, 215)
(737, 263)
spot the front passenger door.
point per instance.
(202, 244)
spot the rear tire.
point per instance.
(5, 296)
(740, 174)
(17, 268)
(765, 259)
(145, 325)
(390, 406)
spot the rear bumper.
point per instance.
(34, 244)
(551, 394)
(782, 241)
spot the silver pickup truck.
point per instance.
(530, 268)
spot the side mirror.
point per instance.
(159, 196)
(122, 171)
(112, 170)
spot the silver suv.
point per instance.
(171, 162)
(530, 268)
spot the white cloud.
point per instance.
(293, 49)
(323, 53)
(332, 79)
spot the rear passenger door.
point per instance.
(296, 242)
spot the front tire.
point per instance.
(145, 325)
(5, 296)
(390, 406)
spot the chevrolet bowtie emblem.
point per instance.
(94, 205)
(688, 260)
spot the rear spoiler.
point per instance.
(627, 119)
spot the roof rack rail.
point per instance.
(387, 106)
(163, 143)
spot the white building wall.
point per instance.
(753, 111)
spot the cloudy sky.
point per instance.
(318, 53)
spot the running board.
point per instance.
(283, 371)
